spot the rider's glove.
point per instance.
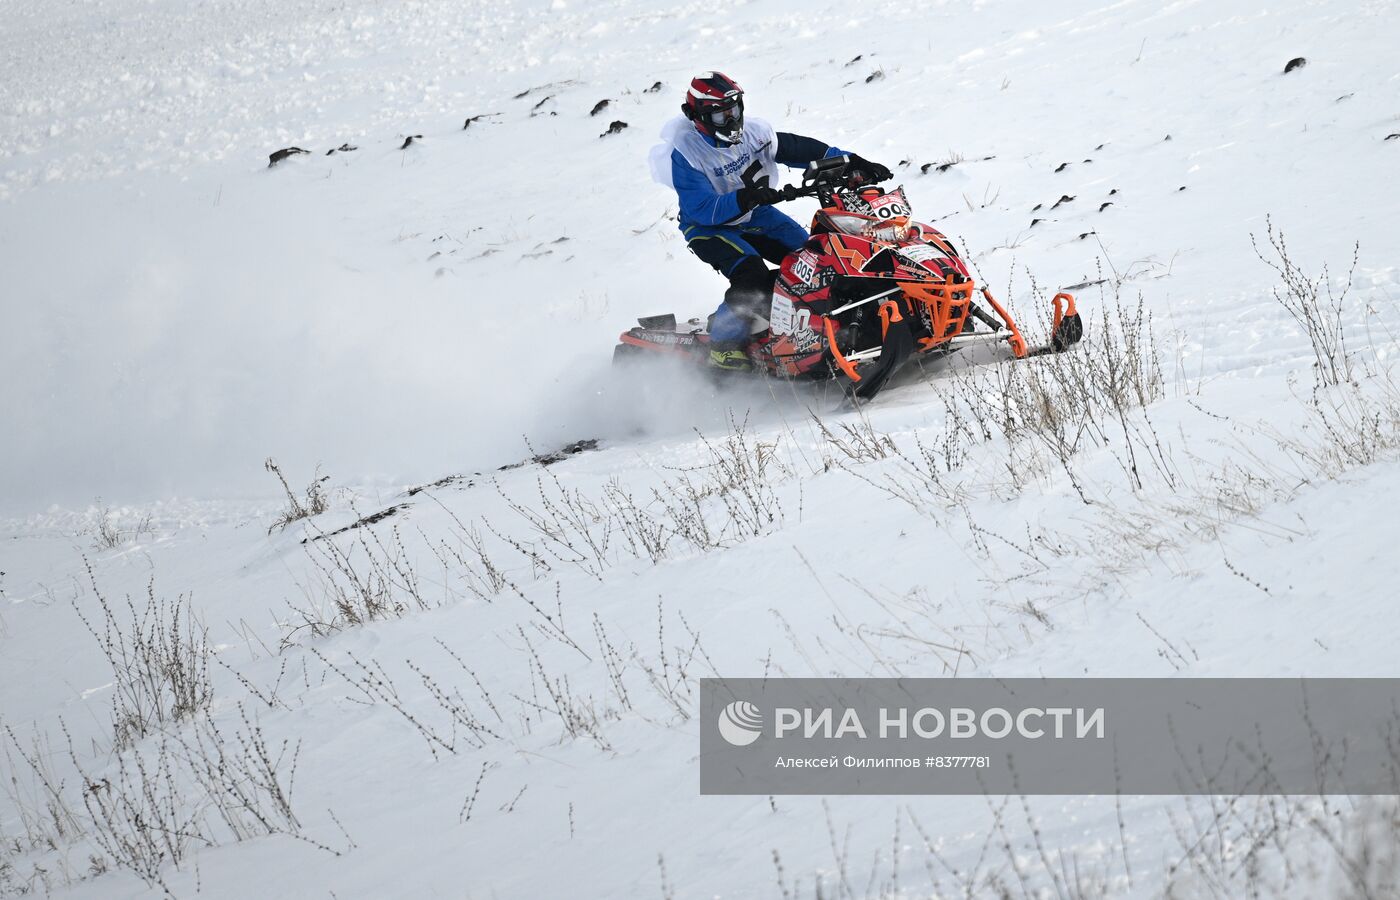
(757, 195)
(870, 172)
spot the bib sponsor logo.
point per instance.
(733, 166)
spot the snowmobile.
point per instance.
(870, 290)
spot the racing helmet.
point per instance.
(714, 103)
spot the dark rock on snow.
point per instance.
(549, 459)
(275, 158)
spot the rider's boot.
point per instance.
(729, 334)
(730, 360)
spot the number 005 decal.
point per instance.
(888, 206)
(803, 270)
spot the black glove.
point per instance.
(757, 195)
(870, 172)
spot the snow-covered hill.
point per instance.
(503, 705)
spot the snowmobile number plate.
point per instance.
(890, 205)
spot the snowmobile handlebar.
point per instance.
(826, 166)
(829, 174)
(792, 191)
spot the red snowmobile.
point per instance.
(871, 289)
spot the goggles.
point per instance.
(720, 114)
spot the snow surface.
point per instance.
(175, 312)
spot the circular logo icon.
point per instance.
(740, 723)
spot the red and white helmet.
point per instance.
(715, 103)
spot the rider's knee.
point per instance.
(750, 287)
(747, 302)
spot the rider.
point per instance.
(725, 171)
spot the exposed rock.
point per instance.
(275, 158)
(470, 119)
(549, 459)
(370, 519)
